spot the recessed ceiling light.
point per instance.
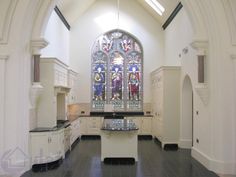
(156, 6)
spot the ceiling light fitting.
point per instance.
(156, 6)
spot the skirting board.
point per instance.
(185, 143)
(219, 167)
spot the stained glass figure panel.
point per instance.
(99, 67)
(117, 72)
(116, 80)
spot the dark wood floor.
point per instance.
(84, 161)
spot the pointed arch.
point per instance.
(186, 123)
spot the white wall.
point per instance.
(58, 37)
(216, 142)
(178, 35)
(16, 81)
(102, 17)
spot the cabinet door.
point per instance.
(93, 125)
(159, 129)
(54, 145)
(75, 130)
(83, 125)
(146, 126)
(39, 147)
(154, 126)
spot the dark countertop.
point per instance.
(44, 129)
(118, 125)
(116, 113)
(60, 125)
(114, 116)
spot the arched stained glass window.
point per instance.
(117, 68)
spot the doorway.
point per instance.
(186, 127)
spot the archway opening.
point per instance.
(186, 132)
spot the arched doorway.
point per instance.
(186, 123)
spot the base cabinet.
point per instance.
(144, 124)
(90, 125)
(75, 131)
(46, 147)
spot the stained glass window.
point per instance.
(117, 72)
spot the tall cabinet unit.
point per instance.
(53, 101)
(166, 104)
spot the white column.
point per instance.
(2, 103)
(36, 88)
(233, 57)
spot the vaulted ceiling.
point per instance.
(73, 9)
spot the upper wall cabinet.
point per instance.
(73, 84)
(55, 71)
(60, 74)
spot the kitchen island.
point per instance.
(119, 139)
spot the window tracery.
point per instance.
(117, 72)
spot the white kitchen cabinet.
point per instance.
(75, 130)
(73, 84)
(94, 125)
(144, 123)
(166, 104)
(46, 147)
(90, 125)
(146, 126)
(83, 125)
(52, 104)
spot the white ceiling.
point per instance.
(73, 9)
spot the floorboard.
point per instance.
(84, 161)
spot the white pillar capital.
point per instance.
(37, 45)
(201, 46)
